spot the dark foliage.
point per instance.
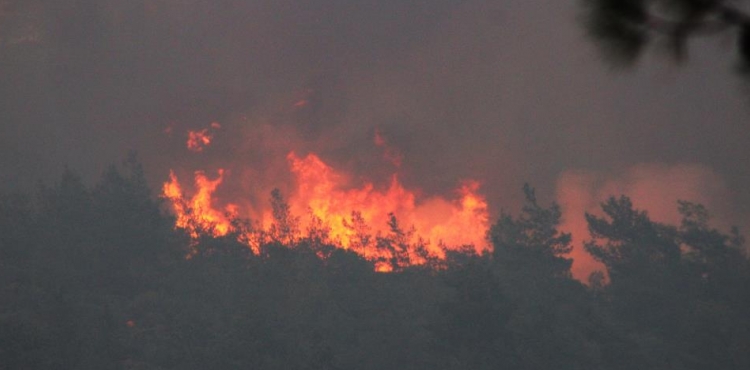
(97, 278)
(680, 292)
(624, 28)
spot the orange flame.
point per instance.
(198, 214)
(327, 195)
(379, 224)
(200, 139)
(197, 140)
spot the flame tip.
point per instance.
(352, 218)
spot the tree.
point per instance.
(361, 232)
(632, 241)
(395, 244)
(547, 321)
(285, 227)
(532, 242)
(623, 28)
(676, 291)
(719, 272)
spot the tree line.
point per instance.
(96, 277)
(625, 29)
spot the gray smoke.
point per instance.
(500, 91)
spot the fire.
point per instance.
(200, 139)
(329, 196)
(391, 226)
(198, 213)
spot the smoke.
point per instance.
(653, 187)
(502, 92)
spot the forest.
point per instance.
(98, 277)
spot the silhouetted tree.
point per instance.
(395, 244)
(285, 227)
(548, 316)
(97, 277)
(664, 286)
(362, 233)
(532, 242)
(623, 28)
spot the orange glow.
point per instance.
(390, 153)
(198, 214)
(654, 187)
(197, 140)
(382, 225)
(200, 139)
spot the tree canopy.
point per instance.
(623, 29)
(98, 277)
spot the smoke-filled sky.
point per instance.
(504, 92)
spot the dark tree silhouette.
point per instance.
(98, 277)
(674, 289)
(532, 242)
(623, 28)
(285, 227)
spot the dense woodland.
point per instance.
(95, 277)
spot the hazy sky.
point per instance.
(505, 92)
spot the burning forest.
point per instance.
(125, 284)
(373, 184)
(327, 203)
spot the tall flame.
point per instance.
(327, 194)
(359, 218)
(197, 213)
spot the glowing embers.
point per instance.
(390, 226)
(200, 139)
